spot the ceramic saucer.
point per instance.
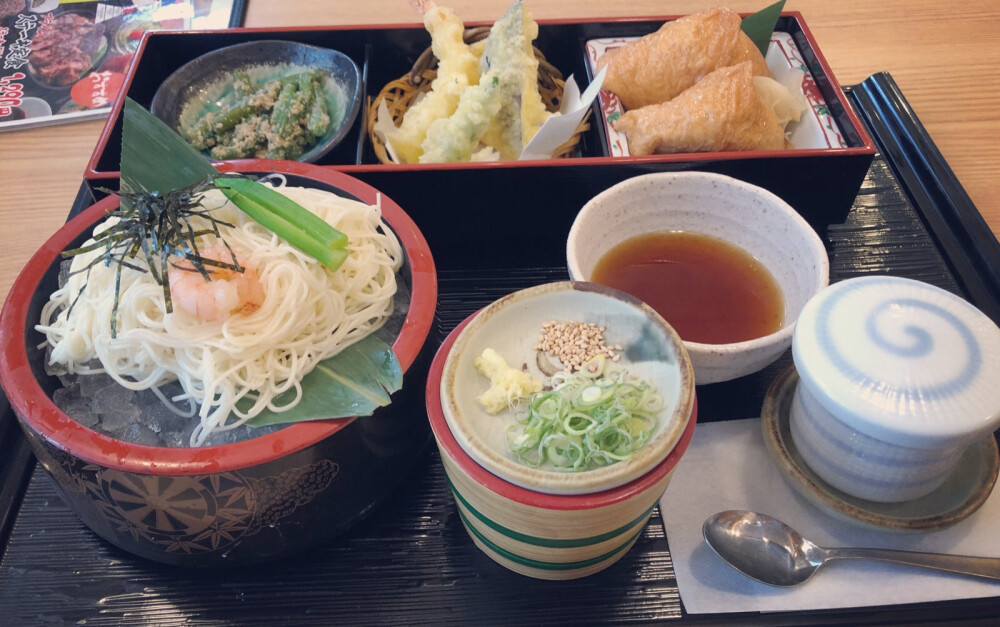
(957, 498)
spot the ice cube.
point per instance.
(158, 416)
(62, 396)
(114, 418)
(75, 406)
(112, 395)
(68, 380)
(140, 434)
(64, 271)
(173, 439)
(218, 438)
(56, 369)
(91, 384)
(84, 416)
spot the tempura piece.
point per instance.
(455, 138)
(721, 112)
(661, 65)
(510, 53)
(458, 67)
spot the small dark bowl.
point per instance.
(242, 503)
(202, 81)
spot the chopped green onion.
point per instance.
(594, 417)
(287, 219)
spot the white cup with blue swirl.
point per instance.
(897, 378)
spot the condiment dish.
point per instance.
(511, 326)
(537, 534)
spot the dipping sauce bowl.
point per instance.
(739, 214)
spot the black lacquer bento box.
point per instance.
(821, 181)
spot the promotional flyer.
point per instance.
(64, 61)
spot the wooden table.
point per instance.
(944, 56)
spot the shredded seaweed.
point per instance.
(158, 228)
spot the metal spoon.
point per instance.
(768, 550)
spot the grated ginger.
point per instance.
(507, 385)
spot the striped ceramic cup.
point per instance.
(897, 378)
(546, 536)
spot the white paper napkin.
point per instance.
(727, 467)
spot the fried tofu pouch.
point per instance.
(661, 65)
(721, 112)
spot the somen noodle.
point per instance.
(308, 314)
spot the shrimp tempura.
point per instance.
(458, 67)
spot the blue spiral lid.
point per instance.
(901, 360)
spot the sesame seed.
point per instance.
(574, 343)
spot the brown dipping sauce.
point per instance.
(707, 289)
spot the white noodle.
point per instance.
(309, 314)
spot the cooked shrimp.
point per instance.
(423, 6)
(223, 293)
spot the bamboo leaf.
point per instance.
(155, 159)
(355, 382)
(760, 25)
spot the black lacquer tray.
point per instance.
(412, 562)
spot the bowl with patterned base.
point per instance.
(251, 501)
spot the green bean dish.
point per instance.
(275, 118)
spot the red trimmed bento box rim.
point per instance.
(65, 433)
(446, 440)
(867, 146)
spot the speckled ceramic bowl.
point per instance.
(541, 535)
(741, 214)
(242, 503)
(202, 85)
(897, 379)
